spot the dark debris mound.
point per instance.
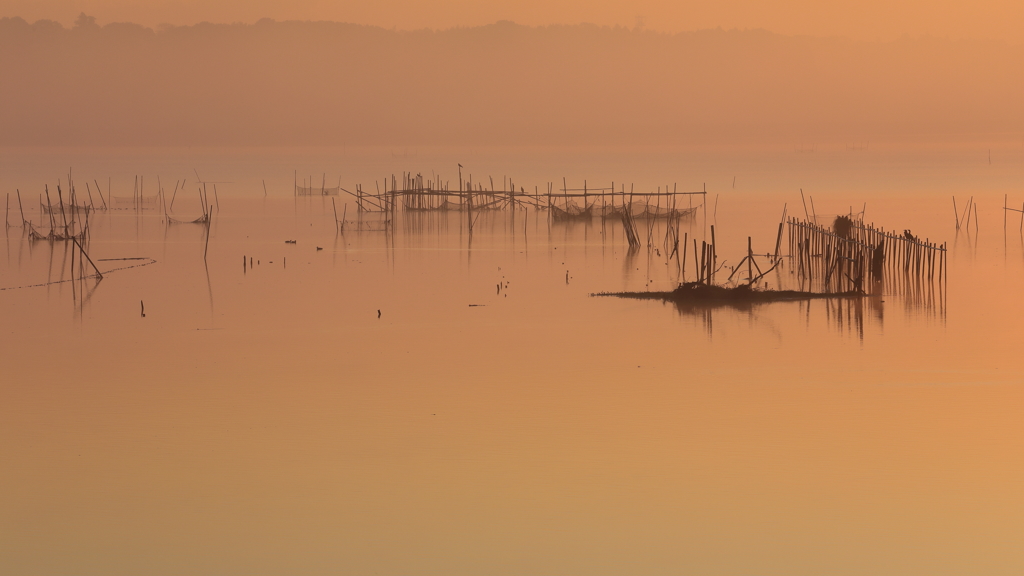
(842, 226)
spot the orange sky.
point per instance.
(860, 19)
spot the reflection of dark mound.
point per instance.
(696, 294)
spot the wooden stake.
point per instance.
(173, 196)
(206, 246)
(778, 242)
(98, 273)
(696, 268)
(750, 260)
(100, 192)
(682, 267)
(713, 259)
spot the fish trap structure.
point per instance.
(137, 201)
(586, 202)
(417, 193)
(309, 189)
(204, 219)
(647, 211)
(850, 254)
(66, 220)
(318, 191)
(570, 210)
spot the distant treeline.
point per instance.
(288, 83)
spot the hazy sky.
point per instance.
(859, 19)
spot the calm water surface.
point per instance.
(266, 419)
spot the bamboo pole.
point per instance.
(696, 261)
(64, 217)
(173, 196)
(49, 208)
(750, 260)
(682, 266)
(84, 253)
(206, 245)
(778, 242)
(714, 256)
(703, 261)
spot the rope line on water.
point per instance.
(150, 261)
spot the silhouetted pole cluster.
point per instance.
(844, 262)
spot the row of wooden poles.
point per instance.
(414, 192)
(73, 221)
(865, 253)
(704, 260)
(963, 218)
(417, 193)
(49, 210)
(839, 263)
(916, 257)
(137, 201)
(68, 222)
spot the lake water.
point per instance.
(371, 403)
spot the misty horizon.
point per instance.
(89, 19)
(328, 83)
(862, 20)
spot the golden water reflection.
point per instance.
(430, 401)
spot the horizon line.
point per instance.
(640, 29)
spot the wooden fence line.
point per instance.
(865, 253)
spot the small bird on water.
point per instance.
(378, 313)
